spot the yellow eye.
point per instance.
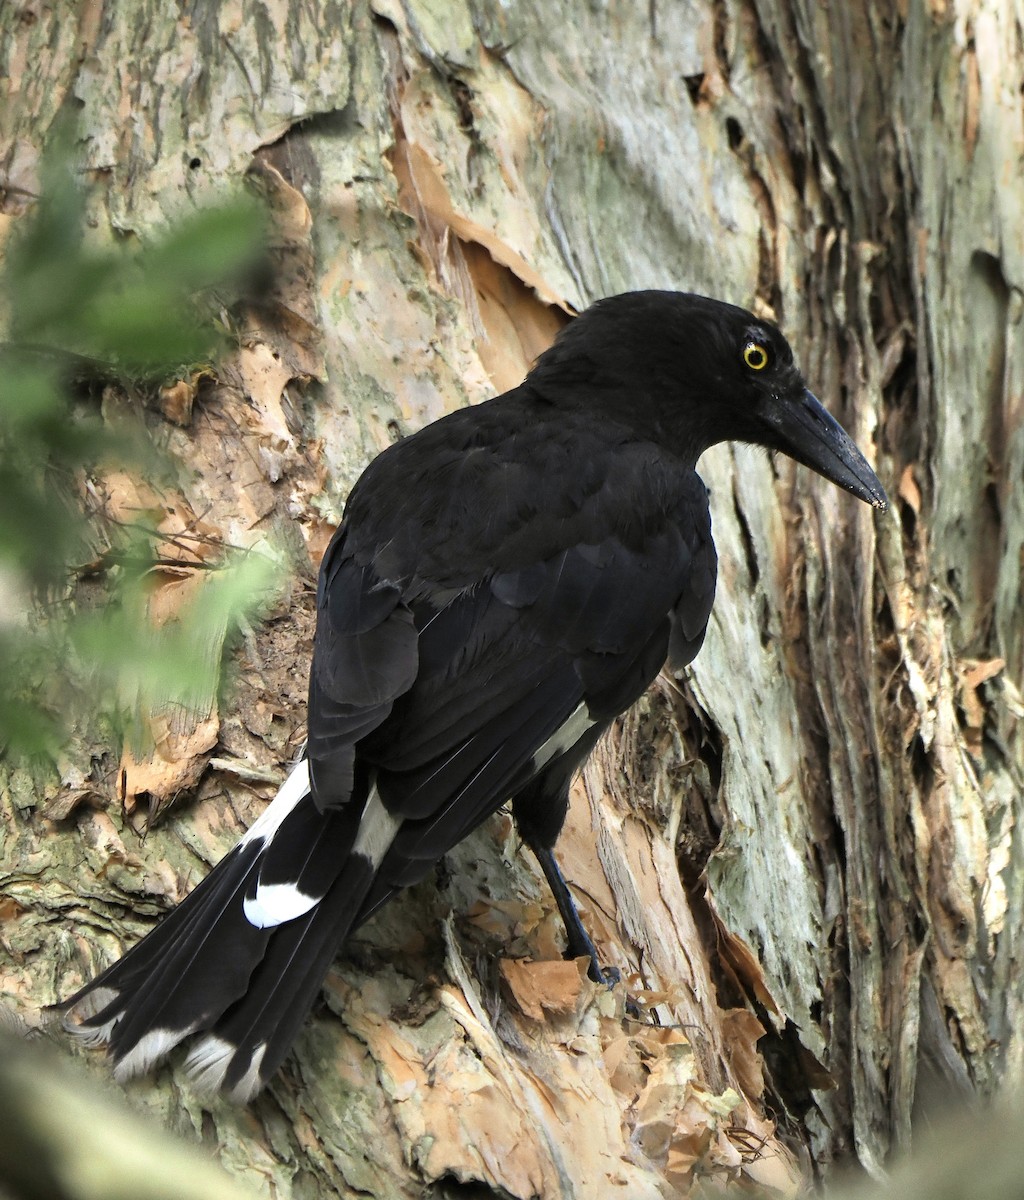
(755, 356)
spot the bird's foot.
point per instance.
(611, 977)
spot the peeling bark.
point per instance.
(806, 854)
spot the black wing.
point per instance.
(543, 581)
(501, 588)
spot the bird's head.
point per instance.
(691, 372)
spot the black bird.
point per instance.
(505, 583)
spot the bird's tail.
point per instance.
(238, 964)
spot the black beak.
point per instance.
(803, 429)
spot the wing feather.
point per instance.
(455, 643)
(365, 655)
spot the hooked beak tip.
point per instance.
(820, 442)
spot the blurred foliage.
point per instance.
(76, 318)
(66, 1135)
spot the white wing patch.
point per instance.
(565, 737)
(275, 903)
(377, 829)
(294, 789)
(278, 902)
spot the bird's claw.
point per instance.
(611, 977)
(608, 975)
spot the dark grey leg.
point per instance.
(539, 811)
(579, 943)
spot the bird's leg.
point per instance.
(579, 942)
(539, 810)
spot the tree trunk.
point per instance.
(804, 853)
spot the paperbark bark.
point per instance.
(806, 853)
